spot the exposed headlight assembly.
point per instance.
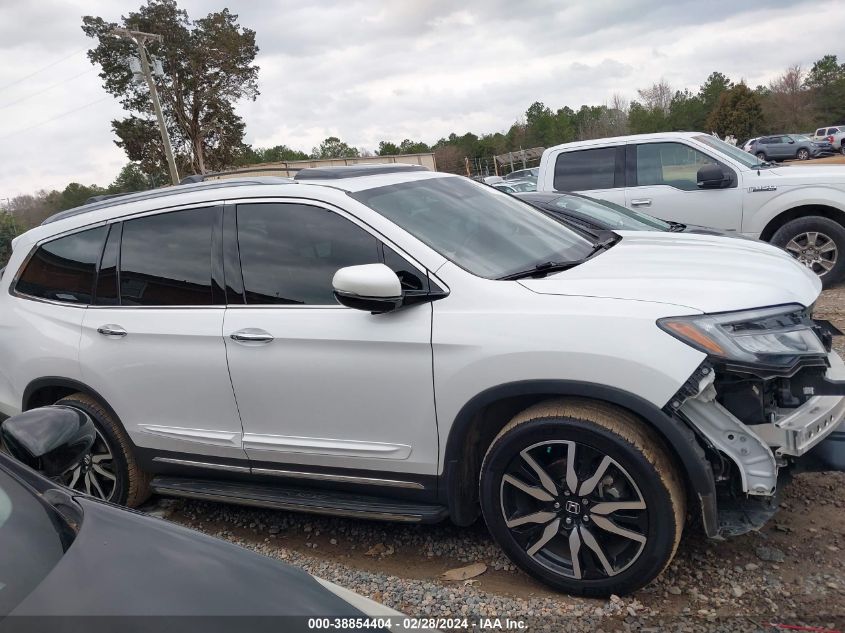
(778, 337)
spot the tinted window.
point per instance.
(411, 278)
(165, 259)
(63, 270)
(585, 169)
(673, 164)
(107, 290)
(832, 130)
(609, 215)
(290, 252)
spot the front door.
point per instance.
(662, 181)
(319, 384)
(151, 345)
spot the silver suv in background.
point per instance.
(785, 147)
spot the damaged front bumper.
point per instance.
(756, 428)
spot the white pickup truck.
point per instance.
(695, 178)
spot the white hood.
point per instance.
(703, 272)
(802, 175)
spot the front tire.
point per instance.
(761, 156)
(110, 472)
(818, 243)
(802, 154)
(583, 497)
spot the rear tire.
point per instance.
(620, 526)
(131, 485)
(818, 243)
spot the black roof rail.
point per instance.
(354, 171)
(215, 175)
(107, 196)
(163, 192)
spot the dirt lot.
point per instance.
(839, 159)
(791, 572)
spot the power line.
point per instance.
(58, 116)
(43, 90)
(43, 68)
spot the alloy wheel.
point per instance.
(815, 250)
(95, 475)
(803, 154)
(574, 510)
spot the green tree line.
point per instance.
(798, 100)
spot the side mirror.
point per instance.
(51, 440)
(371, 287)
(712, 176)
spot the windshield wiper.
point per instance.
(676, 227)
(543, 269)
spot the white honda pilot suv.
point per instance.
(393, 343)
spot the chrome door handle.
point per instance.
(251, 335)
(111, 330)
(641, 202)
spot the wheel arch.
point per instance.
(480, 419)
(50, 389)
(801, 211)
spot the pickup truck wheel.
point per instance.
(802, 154)
(110, 472)
(582, 496)
(818, 243)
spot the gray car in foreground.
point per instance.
(70, 558)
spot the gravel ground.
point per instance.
(791, 572)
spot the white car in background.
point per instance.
(390, 343)
(695, 178)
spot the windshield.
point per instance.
(614, 215)
(739, 155)
(801, 138)
(486, 232)
(29, 525)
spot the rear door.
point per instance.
(662, 181)
(152, 344)
(594, 171)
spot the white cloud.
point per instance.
(367, 71)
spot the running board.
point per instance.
(300, 499)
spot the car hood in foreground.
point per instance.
(123, 563)
(702, 272)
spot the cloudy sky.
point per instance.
(391, 69)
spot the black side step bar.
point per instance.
(300, 499)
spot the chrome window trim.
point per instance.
(212, 203)
(293, 474)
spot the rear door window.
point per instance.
(586, 169)
(165, 259)
(64, 269)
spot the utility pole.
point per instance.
(140, 38)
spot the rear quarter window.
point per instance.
(64, 269)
